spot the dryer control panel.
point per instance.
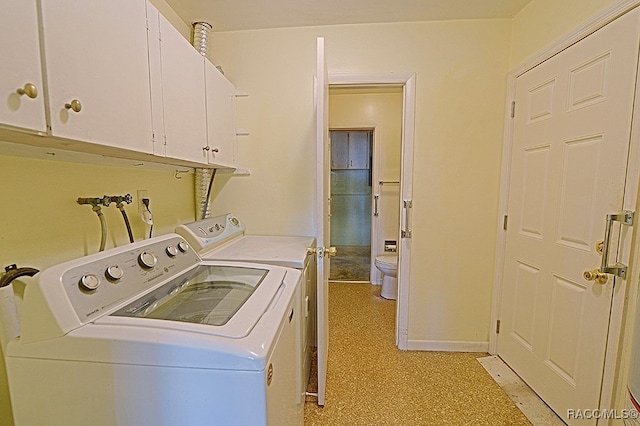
(84, 289)
(211, 232)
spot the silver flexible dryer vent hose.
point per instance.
(201, 37)
(203, 182)
(203, 177)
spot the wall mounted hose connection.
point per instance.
(95, 206)
(97, 202)
(120, 200)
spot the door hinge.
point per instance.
(513, 109)
(498, 327)
(505, 221)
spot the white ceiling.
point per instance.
(230, 15)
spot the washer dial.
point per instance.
(147, 259)
(183, 246)
(114, 272)
(89, 282)
(172, 251)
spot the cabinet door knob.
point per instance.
(215, 150)
(206, 148)
(29, 89)
(75, 105)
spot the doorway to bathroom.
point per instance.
(365, 125)
(351, 179)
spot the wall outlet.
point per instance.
(142, 194)
(143, 211)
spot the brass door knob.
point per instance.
(331, 251)
(596, 276)
(74, 105)
(30, 90)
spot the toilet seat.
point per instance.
(388, 260)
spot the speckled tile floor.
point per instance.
(371, 382)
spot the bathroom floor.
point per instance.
(351, 263)
(371, 382)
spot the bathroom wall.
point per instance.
(460, 71)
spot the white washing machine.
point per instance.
(223, 238)
(149, 334)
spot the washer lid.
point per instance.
(222, 300)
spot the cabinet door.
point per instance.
(358, 150)
(20, 50)
(221, 132)
(155, 80)
(339, 150)
(183, 96)
(95, 54)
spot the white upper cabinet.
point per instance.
(21, 88)
(221, 132)
(95, 55)
(350, 149)
(183, 96)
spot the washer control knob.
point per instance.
(89, 282)
(172, 251)
(183, 246)
(114, 272)
(147, 259)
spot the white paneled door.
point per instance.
(571, 141)
(322, 214)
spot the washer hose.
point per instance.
(126, 221)
(103, 227)
(13, 272)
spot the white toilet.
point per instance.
(388, 265)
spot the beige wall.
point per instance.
(460, 71)
(543, 22)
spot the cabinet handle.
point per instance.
(75, 105)
(208, 148)
(215, 150)
(30, 90)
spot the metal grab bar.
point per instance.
(375, 204)
(617, 269)
(388, 182)
(406, 226)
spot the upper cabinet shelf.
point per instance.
(120, 80)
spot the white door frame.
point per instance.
(614, 344)
(408, 82)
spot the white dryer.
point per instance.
(224, 238)
(149, 334)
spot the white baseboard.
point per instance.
(447, 346)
